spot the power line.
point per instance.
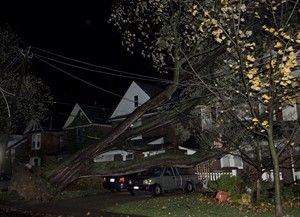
(102, 72)
(127, 74)
(82, 80)
(102, 67)
(77, 78)
(12, 63)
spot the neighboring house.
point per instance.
(151, 143)
(85, 125)
(17, 149)
(44, 142)
(290, 158)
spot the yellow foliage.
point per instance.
(265, 123)
(245, 199)
(278, 45)
(250, 58)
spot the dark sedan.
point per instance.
(115, 183)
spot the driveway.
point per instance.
(80, 207)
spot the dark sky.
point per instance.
(76, 29)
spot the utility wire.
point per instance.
(93, 85)
(127, 74)
(77, 78)
(102, 72)
(12, 63)
(82, 80)
(103, 67)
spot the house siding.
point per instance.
(127, 103)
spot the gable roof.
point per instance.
(128, 104)
(96, 114)
(33, 126)
(92, 114)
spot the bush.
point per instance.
(267, 191)
(291, 192)
(230, 184)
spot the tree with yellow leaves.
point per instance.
(252, 77)
(261, 68)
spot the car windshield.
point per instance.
(153, 172)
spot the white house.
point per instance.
(136, 95)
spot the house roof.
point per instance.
(16, 140)
(91, 115)
(144, 140)
(96, 114)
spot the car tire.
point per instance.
(189, 187)
(157, 190)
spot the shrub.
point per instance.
(230, 184)
(267, 191)
(291, 192)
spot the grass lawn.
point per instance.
(191, 205)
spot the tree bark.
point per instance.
(259, 174)
(258, 189)
(278, 204)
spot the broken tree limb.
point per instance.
(80, 162)
(175, 158)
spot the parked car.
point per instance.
(160, 179)
(4, 182)
(116, 183)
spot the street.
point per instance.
(78, 207)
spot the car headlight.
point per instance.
(147, 181)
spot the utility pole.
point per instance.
(13, 108)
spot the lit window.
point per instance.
(36, 141)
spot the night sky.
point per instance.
(76, 29)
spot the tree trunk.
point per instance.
(80, 162)
(259, 174)
(258, 189)
(278, 204)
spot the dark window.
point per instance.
(175, 172)
(36, 161)
(136, 101)
(80, 135)
(129, 156)
(168, 172)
